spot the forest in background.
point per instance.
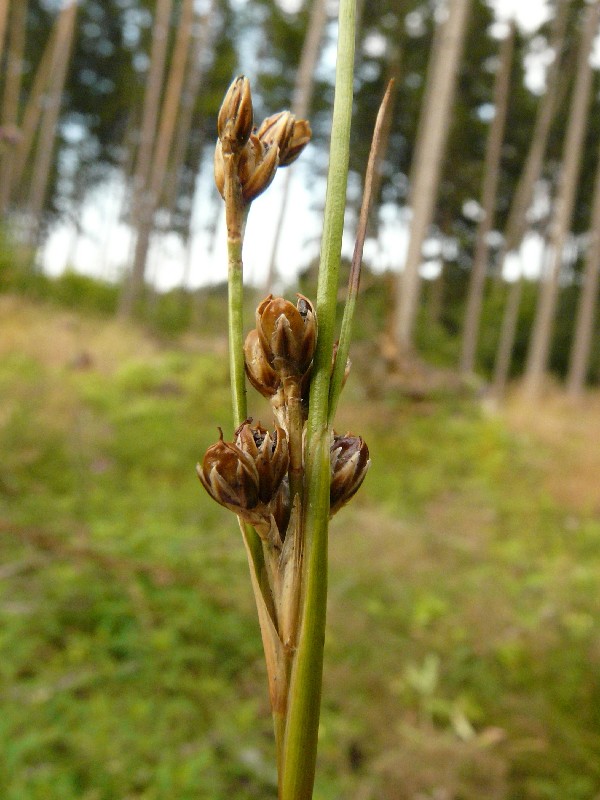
(462, 656)
(473, 161)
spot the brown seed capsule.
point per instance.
(260, 373)
(230, 476)
(269, 453)
(349, 457)
(291, 135)
(301, 136)
(287, 333)
(235, 120)
(256, 181)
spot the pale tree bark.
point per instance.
(521, 202)
(539, 346)
(202, 36)
(301, 100)
(584, 321)
(3, 17)
(433, 134)
(491, 173)
(17, 29)
(147, 134)
(32, 113)
(48, 125)
(160, 155)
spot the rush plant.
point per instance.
(285, 483)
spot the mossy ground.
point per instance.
(463, 648)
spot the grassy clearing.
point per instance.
(463, 653)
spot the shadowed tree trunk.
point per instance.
(584, 325)
(12, 86)
(491, 172)
(158, 54)
(517, 218)
(425, 172)
(3, 17)
(200, 44)
(301, 100)
(539, 346)
(32, 113)
(160, 156)
(48, 125)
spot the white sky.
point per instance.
(106, 244)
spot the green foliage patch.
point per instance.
(462, 645)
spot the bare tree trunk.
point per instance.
(301, 99)
(433, 134)
(517, 218)
(491, 172)
(584, 324)
(3, 17)
(43, 158)
(201, 43)
(31, 115)
(150, 111)
(539, 347)
(160, 157)
(12, 84)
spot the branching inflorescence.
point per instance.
(277, 481)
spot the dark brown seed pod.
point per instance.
(349, 456)
(291, 135)
(287, 333)
(235, 119)
(230, 476)
(269, 453)
(260, 373)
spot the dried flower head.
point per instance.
(269, 453)
(256, 168)
(287, 333)
(230, 476)
(260, 373)
(349, 456)
(291, 135)
(235, 120)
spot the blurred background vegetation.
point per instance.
(463, 648)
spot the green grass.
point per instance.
(462, 651)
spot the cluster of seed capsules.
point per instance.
(276, 142)
(252, 474)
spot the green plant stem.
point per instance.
(236, 330)
(300, 745)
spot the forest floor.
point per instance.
(463, 650)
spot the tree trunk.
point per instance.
(3, 17)
(150, 110)
(12, 84)
(43, 158)
(31, 115)
(199, 46)
(164, 139)
(584, 324)
(433, 130)
(539, 347)
(301, 99)
(491, 172)
(517, 218)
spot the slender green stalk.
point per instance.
(300, 745)
(236, 331)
